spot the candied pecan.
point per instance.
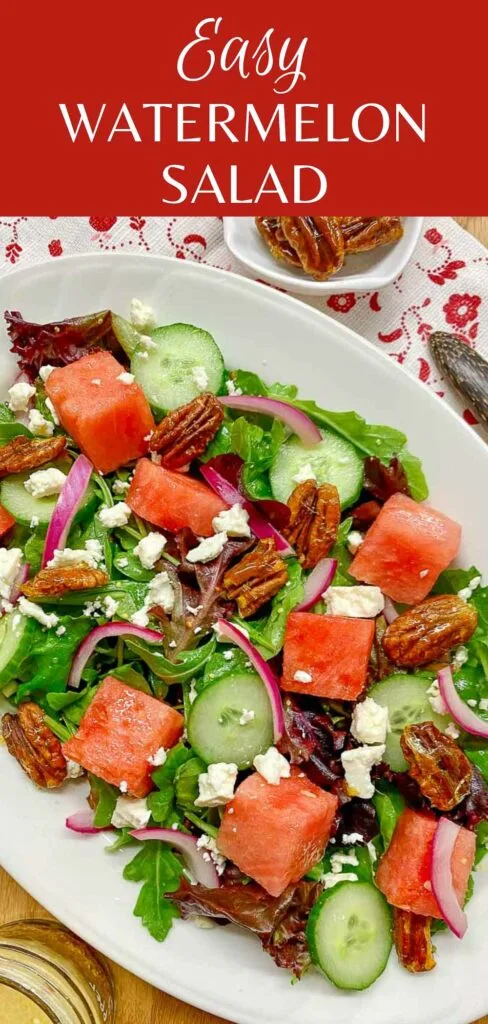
(52, 582)
(256, 578)
(429, 630)
(36, 748)
(364, 233)
(437, 764)
(23, 453)
(413, 941)
(185, 433)
(315, 244)
(315, 514)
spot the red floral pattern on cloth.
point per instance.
(444, 287)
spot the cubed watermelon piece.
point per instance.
(109, 420)
(121, 729)
(406, 549)
(6, 521)
(275, 834)
(404, 871)
(333, 649)
(173, 500)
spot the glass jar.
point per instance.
(49, 976)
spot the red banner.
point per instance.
(263, 108)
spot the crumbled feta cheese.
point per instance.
(94, 548)
(452, 731)
(436, 699)
(123, 563)
(304, 473)
(141, 315)
(39, 425)
(61, 630)
(468, 591)
(360, 602)
(19, 396)
(45, 372)
(6, 606)
(34, 522)
(159, 757)
(73, 769)
(146, 341)
(194, 609)
(52, 410)
(357, 766)
(120, 486)
(161, 593)
(123, 786)
(130, 812)
(10, 562)
(116, 515)
(472, 703)
(192, 692)
(200, 377)
(232, 388)
(140, 618)
(423, 573)
(354, 541)
(272, 766)
(208, 548)
(92, 608)
(34, 611)
(338, 860)
(233, 521)
(71, 556)
(370, 722)
(140, 355)
(348, 838)
(212, 853)
(302, 677)
(228, 655)
(460, 658)
(483, 704)
(149, 549)
(45, 482)
(126, 378)
(109, 606)
(172, 643)
(96, 381)
(372, 852)
(247, 716)
(329, 879)
(198, 629)
(216, 785)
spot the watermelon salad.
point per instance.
(230, 618)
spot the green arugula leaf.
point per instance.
(451, 581)
(33, 550)
(186, 782)
(6, 414)
(105, 797)
(10, 430)
(189, 663)
(341, 552)
(389, 805)
(258, 448)
(46, 669)
(129, 675)
(417, 484)
(156, 866)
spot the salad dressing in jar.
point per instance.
(49, 976)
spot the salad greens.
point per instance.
(185, 663)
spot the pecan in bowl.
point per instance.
(319, 245)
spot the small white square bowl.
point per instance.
(368, 271)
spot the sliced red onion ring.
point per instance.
(259, 525)
(203, 870)
(22, 576)
(442, 882)
(317, 583)
(82, 822)
(86, 648)
(295, 419)
(462, 714)
(389, 610)
(70, 498)
(226, 631)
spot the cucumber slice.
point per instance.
(126, 334)
(407, 701)
(214, 729)
(15, 643)
(333, 461)
(165, 372)
(349, 934)
(22, 505)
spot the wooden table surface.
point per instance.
(136, 1000)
